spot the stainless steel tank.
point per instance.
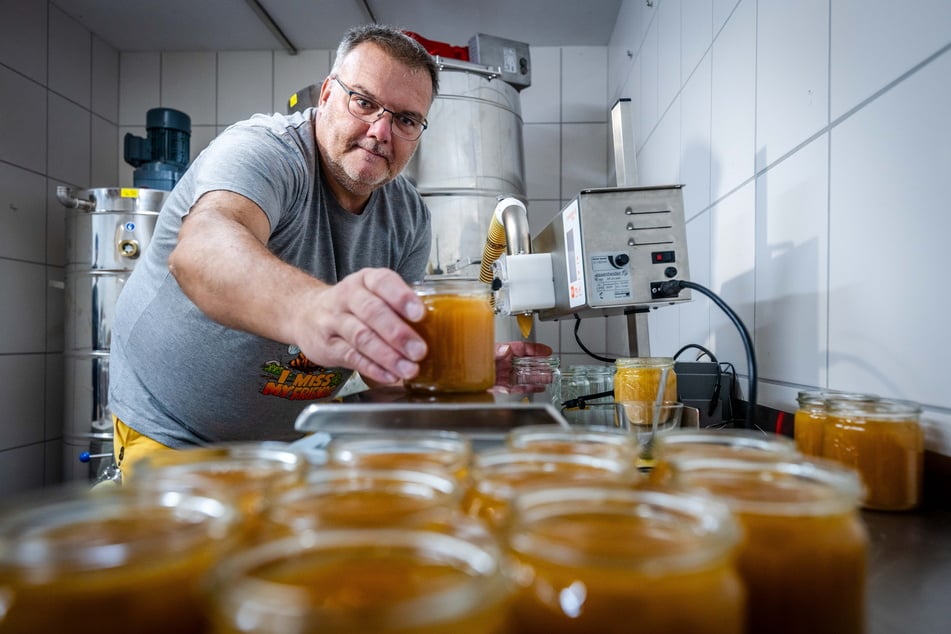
(471, 155)
(107, 230)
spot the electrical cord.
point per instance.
(582, 346)
(672, 287)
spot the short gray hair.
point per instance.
(396, 43)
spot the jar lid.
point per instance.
(644, 362)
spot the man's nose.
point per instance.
(382, 128)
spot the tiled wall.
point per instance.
(814, 143)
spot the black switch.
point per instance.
(662, 257)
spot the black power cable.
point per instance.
(671, 288)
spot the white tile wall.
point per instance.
(245, 84)
(669, 50)
(68, 141)
(23, 114)
(732, 106)
(105, 81)
(22, 214)
(876, 41)
(70, 55)
(792, 257)
(829, 252)
(189, 84)
(584, 84)
(23, 415)
(888, 309)
(23, 38)
(792, 75)
(23, 287)
(139, 86)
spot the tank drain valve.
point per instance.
(129, 248)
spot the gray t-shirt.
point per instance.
(183, 379)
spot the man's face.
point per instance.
(360, 156)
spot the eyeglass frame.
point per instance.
(381, 110)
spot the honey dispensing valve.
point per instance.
(522, 281)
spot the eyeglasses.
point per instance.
(365, 109)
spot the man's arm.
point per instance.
(223, 265)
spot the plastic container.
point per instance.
(804, 554)
(459, 329)
(78, 563)
(381, 580)
(883, 440)
(639, 379)
(613, 560)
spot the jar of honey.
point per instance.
(380, 580)
(810, 419)
(438, 451)
(499, 475)
(593, 441)
(804, 552)
(84, 562)
(884, 442)
(459, 330)
(735, 444)
(360, 497)
(592, 559)
(249, 474)
(639, 379)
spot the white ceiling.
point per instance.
(192, 25)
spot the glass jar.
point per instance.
(438, 451)
(594, 559)
(586, 380)
(459, 330)
(736, 444)
(639, 379)
(247, 474)
(499, 475)
(592, 441)
(381, 580)
(359, 497)
(884, 442)
(79, 562)
(538, 378)
(810, 418)
(805, 549)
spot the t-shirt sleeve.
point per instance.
(255, 163)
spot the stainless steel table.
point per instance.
(909, 589)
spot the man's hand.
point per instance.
(364, 322)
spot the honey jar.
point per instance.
(247, 474)
(639, 379)
(82, 562)
(499, 475)
(810, 419)
(737, 444)
(360, 497)
(591, 559)
(459, 330)
(884, 442)
(594, 441)
(439, 451)
(804, 552)
(380, 580)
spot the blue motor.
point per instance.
(161, 159)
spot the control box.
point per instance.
(613, 248)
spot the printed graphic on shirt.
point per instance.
(301, 380)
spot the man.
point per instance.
(281, 261)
